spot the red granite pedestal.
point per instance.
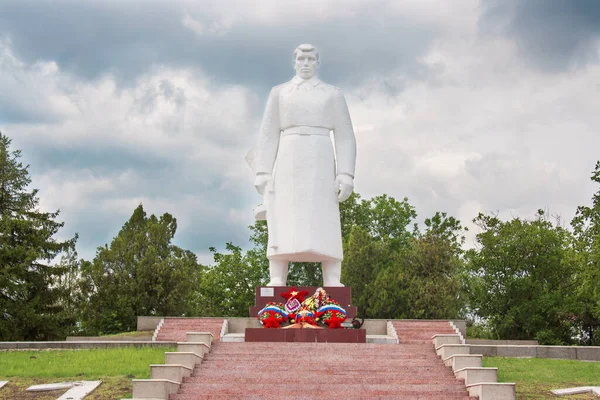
(341, 294)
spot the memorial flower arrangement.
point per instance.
(272, 315)
(332, 314)
(303, 313)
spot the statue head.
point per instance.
(306, 61)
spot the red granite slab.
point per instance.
(306, 335)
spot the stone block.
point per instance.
(588, 353)
(147, 323)
(461, 325)
(577, 390)
(447, 350)
(381, 339)
(194, 347)
(184, 358)
(473, 375)
(201, 337)
(460, 361)
(171, 372)
(375, 326)
(441, 339)
(516, 351)
(560, 352)
(80, 390)
(265, 335)
(485, 350)
(239, 325)
(233, 337)
(154, 388)
(493, 391)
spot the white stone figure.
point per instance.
(299, 176)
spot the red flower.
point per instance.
(294, 294)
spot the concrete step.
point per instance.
(493, 391)
(171, 372)
(189, 359)
(193, 347)
(202, 337)
(473, 375)
(280, 387)
(447, 350)
(447, 338)
(460, 361)
(154, 388)
(322, 394)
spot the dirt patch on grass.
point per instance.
(111, 388)
(543, 391)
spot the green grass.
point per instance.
(536, 377)
(114, 367)
(126, 361)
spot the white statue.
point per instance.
(296, 170)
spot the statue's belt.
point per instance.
(306, 130)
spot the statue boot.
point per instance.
(278, 271)
(332, 272)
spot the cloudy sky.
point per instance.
(462, 106)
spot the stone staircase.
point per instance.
(420, 331)
(203, 369)
(174, 329)
(321, 371)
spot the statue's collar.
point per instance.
(296, 80)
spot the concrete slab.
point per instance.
(381, 339)
(493, 391)
(201, 337)
(473, 375)
(233, 337)
(447, 350)
(591, 353)
(485, 350)
(188, 359)
(577, 390)
(77, 390)
(516, 351)
(154, 388)
(195, 347)
(50, 386)
(80, 390)
(460, 361)
(171, 372)
(560, 352)
(439, 340)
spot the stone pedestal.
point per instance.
(341, 294)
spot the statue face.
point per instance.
(306, 64)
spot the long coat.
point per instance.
(295, 147)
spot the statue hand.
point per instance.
(261, 181)
(345, 184)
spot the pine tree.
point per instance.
(29, 299)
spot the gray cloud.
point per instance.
(94, 38)
(554, 35)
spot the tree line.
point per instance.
(524, 279)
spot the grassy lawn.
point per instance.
(536, 377)
(115, 367)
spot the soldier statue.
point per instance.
(300, 177)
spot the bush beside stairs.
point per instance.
(204, 368)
